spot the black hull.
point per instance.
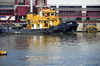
(63, 28)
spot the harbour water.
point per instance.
(72, 49)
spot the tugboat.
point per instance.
(46, 22)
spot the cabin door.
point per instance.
(45, 24)
(39, 26)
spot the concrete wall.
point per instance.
(80, 27)
(98, 25)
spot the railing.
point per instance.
(6, 12)
(79, 14)
(77, 9)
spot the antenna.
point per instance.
(41, 4)
(32, 3)
(31, 6)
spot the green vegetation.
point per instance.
(23, 20)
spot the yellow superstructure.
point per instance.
(44, 19)
(2, 52)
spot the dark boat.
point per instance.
(65, 27)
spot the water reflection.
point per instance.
(72, 49)
(25, 41)
(41, 41)
(90, 38)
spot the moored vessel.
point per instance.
(46, 21)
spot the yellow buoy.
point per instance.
(2, 52)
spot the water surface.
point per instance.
(72, 49)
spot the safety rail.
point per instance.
(6, 13)
(77, 9)
(79, 14)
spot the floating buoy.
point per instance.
(90, 28)
(2, 52)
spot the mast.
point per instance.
(41, 4)
(31, 5)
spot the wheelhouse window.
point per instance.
(43, 14)
(46, 14)
(52, 14)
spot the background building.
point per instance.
(77, 9)
(80, 10)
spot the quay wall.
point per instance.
(80, 26)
